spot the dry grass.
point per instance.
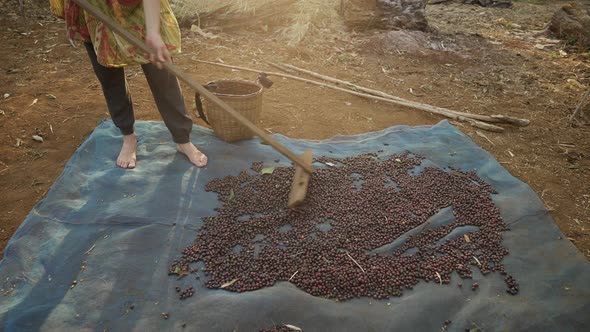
(190, 8)
(311, 17)
(305, 17)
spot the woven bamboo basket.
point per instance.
(243, 96)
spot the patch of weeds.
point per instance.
(507, 25)
(34, 154)
(571, 40)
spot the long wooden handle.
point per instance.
(204, 92)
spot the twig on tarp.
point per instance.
(355, 262)
(89, 250)
(294, 274)
(477, 260)
(227, 284)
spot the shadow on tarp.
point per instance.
(94, 253)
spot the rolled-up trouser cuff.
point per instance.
(127, 130)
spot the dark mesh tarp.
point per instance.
(115, 232)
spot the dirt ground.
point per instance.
(490, 65)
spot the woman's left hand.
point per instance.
(160, 51)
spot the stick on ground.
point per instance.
(572, 119)
(464, 117)
(422, 106)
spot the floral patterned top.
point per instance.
(112, 50)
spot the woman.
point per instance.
(154, 22)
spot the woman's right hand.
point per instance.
(160, 51)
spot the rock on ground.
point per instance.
(403, 14)
(572, 23)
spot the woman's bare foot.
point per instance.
(193, 154)
(127, 156)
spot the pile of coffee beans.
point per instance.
(185, 294)
(364, 229)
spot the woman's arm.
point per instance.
(153, 39)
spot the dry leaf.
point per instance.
(227, 284)
(268, 170)
(182, 273)
(292, 327)
(34, 102)
(50, 96)
(467, 239)
(575, 84)
(37, 138)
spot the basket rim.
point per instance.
(260, 88)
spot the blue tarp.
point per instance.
(94, 253)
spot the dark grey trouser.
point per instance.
(165, 89)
